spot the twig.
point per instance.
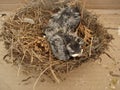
(60, 1)
(114, 75)
(83, 7)
(43, 2)
(18, 72)
(11, 50)
(40, 76)
(19, 66)
(26, 79)
(111, 28)
(31, 57)
(90, 46)
(37, 56)
(109, 56)
(47, 11)
(53, 73)
(89, 22)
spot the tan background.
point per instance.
(97, 4)
(92, 75)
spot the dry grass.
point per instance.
(24, 39)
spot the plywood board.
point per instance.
(96, 4)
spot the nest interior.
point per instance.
(24, 39)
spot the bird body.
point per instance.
(64, 45)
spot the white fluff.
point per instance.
(29, 20)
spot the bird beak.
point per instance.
(75, 55)
(78, 54)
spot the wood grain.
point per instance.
(91, 4)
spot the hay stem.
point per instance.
(32, 58)
(11, 50)
(54, 75)
(18, 72)
(51, 69)
(90, 50)
(38, 57)
(36, 81)
(83, 7)
(19, 66)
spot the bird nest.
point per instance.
(28, 47)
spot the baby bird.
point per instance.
(64, 45)
(66, 20)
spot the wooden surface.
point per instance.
(91, 75)
(10, 5)
(96, 4)
(103, 4)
